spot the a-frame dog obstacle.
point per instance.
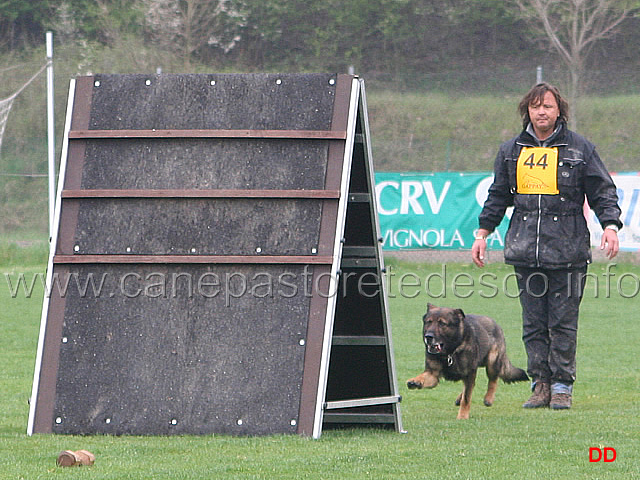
(218, 240)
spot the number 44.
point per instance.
(541, 162)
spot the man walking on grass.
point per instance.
(545, 173)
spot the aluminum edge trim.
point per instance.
(383, 284)
(337, 249)
(52, 249)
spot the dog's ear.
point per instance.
(426, 315)
(459, 314)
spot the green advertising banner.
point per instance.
(433, 210)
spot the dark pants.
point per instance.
(550, 302)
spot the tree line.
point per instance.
(376, 36)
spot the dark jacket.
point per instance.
(550, 231)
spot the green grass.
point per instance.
(430, 131)
(28, 250)
(504, 441)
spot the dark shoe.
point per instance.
(560, 401)
(540, 397)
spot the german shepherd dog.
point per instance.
(456, 345)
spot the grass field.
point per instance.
(504, 441)
(443, 132)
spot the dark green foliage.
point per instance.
(412, 37)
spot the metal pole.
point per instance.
(51, 139)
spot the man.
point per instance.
(545, 173)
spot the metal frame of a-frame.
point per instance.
(215, 177)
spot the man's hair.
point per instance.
(535, 97)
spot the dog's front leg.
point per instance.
(465, 398)
(426, 379)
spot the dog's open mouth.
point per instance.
(435, 348)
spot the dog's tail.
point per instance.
(510, 374)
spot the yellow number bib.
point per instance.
(537, 171)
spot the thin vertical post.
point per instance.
(51, 145)
(539, 74)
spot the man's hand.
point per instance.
(479, 247)
(609, 243)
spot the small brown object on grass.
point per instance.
(69, 458)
